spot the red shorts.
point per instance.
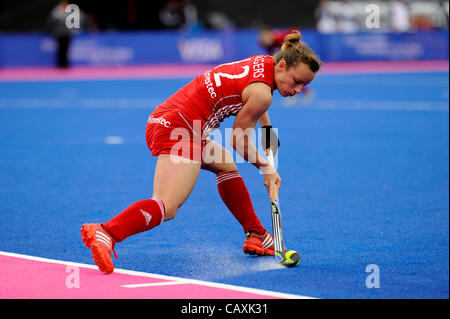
(170, 132)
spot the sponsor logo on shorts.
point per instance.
(159, 120)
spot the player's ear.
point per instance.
(281, 65)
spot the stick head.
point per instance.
(292, 258)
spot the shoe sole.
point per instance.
(255, 250)
(99, 252)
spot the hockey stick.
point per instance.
(291, 258)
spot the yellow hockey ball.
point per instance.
(292, 258)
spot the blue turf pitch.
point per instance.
(365, 171)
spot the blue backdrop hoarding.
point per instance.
(158, 47)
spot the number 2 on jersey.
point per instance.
(231, 76)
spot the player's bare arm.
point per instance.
(269, 139)
(264, 120)
(257, 98)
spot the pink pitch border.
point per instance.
(28, 277)
(190, 71)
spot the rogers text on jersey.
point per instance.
(258, 67)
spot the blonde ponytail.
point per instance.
(292, 39)
(294, 51)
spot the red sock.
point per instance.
(136, 218)
(235, 195)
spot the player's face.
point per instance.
(291, 81)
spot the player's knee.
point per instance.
(229, 167)
(228, 159)
(171, 211)
(227, 164)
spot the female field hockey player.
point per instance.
(177, 133)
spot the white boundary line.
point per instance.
(166, 283)
(176, 280)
